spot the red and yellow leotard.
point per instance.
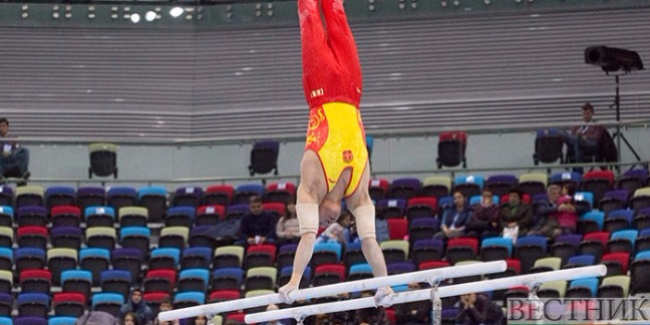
(332, 83)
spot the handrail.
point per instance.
(393, 133)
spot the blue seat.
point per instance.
(624, 214)
(204, 253)
(533, 241)
(60, 195)
(581, 260)
(173, 253)
(193, 297)
(107, 298)
(596, 216)
(287, 271)
(62, 320)
(188, 196)
(8, 321)
(498, 241)
(94, 252)
(229, 272)
(193, 275)
(250, 189)
(329, 247)
(564, 177)
(400, 268)
(585, 197)
(590, 283)
(360, 268)
(470, 179)
(152, 191)
(180, 216)
(629, 235)
(32, 300)
(644, 233)
(645, 255)
(111, 275)
(30, 321)
(32, 216)
(134, 231)
(400, 288)
(28, 254)
(237, 210)
(446, 202)
(99, 212)
(6, 258)
(405, 188)
(122, 191)
(8, 213)
(476, 199)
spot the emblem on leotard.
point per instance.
(347, 156)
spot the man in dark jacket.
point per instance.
(412, 313)
(516, 213)
(477, 309)
(258, 227)
(139, 307)
(484, 221)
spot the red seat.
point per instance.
(600, 174)
(225, 190)
(218, 210)
(236, 316)
(622, 258)
(287, 187)
(453, 135)
(433, 265)
(32, 230)
(223, 295)
(514, 265)
(337, 269)
(378, 187)
(262, 249)
(35, 274)
(67, 297)
(390, 315)
(155, 297)
(160, 274)
(397, 228)
(463, 242)
(430, 202)
(601, 236)
(506, 198)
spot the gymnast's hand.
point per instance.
(286, 291)
(383, 297)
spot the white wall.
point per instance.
(389, 155)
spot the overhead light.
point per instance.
(135, 18)
(150, 16)
(176, 12)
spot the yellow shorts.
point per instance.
(337, 136)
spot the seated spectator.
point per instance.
(338, 230)
(477, 309)
(413, 313)
(129, 319)
(586, 137)
(288, 230)
(547, 214)
(484, 221)
(370, 316)
(136, 305)
(14, 161)
(201, 320)
(275, 322)
(258, 226)
(166, 305)
(454, 218)
(567, 212)
(515, 216)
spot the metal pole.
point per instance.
(617, 102)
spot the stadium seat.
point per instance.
(29, 259)
(6, 257)
(548, 146)
(360, 272)
(153, 299)
(594, 244)
(196, 258)
(622, 241)
(617, 286)
(90, 197)
(131, 216)
(35, 281)
(62, 320)
(326, 253)
(280, 192)
(584, 200)
(127, 259)
(395, 251)
(566, 178)
(70, 304)
(223, 295)
(461, 249)
(598, 182)
(565, 246)
(264, 158)
(613, 200)
(203, 236)
(154, 199)
(642, 219)
(378, 189)
(32, 216)
(6, 196)
(6, 304)
(641, 199)
(421, 207)
(190, 196)
(400, 268)
(107, 302)
(632, 180)
(6, 216)
(193, 280)
(260, 278)
(135, 238)
(423, 228)
(101, 237)
(436, 186)
(500, 184)
(103, 160)
(66, 237)
(6, 237)
(552, 290)
(209, 215)
(59, 196)
(328, 274)
(119, 197)
(353, 254)
(159, 281)
(116, 281)
(219, 195)
(579, 261)
(532, 184)
(80, 281)
(546, 264)
(260, 255)
(529, 249)
(405, 188)
(591, 222)
(237, 211)
(95, 260)
(228, 256)
(286, 255)
(33, 305)
(495, 249)
(29, 196)
(426, 250)
(397, 229)
(618, 220)
(391, 208)
(165, 258)
(99, 216)
(285, 276)
(174, 237)
(32, 236)
(451, 149)
(244, 192)
(275, 209)
(28, 320)
(188, 299)
(582, 288)
(182, 216)
(469, 185)
(6, 281)
(617, 263)
(230, 278)
(65, 216)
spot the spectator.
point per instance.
(370, 316)
(129, 319)
(413, 313)
(477, 309)
(137, 306)
(257, 227)
(547, 214)
(288, 230)
(336, 231)
(454, 218)
(586, 137)
(14, 161)
(226, 232)
(201, 320)
(515, 216)
(275, 322)
(484, 221)
(567, 212)
(166, 305)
